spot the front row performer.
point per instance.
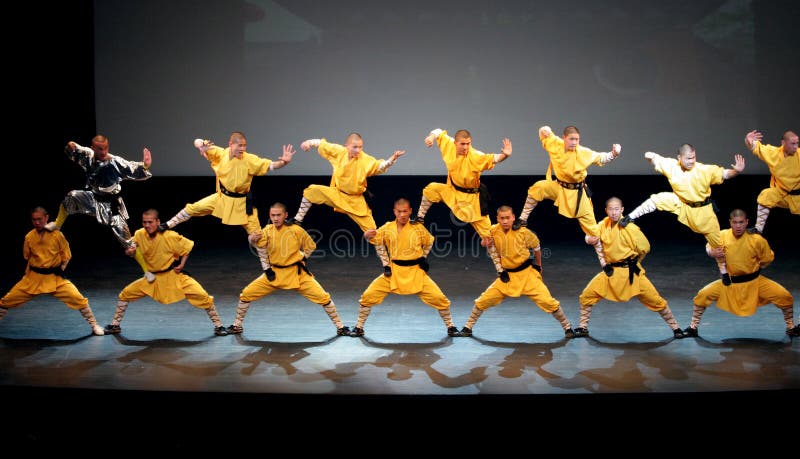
(166, 254)
(287, 247)
(525, 278)
(407, 247)
(690, 198)
(747, 254)
(47, 253)
(625, 249)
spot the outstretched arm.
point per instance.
(387, 163)
(202, 146)
(308, 144)
(751, 138)
(545, 132)
(738, 167)
(607, 157)
(718, 252)
(432, 136)
(286, 158)
(505, 152)
(180, 266)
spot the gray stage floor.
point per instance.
(288, 369)
(289, 345)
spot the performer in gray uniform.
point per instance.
(100, 197)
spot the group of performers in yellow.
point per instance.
(402, 245)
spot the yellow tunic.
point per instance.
(745, 255)
(690, 186)
(44, 250)
(405, 244)
(285, 246)
(785, 172)
(571, 167)
(348, 182)
(236, 175)
(514, 248)
(464, 171)
(620, 244)
(160, 252)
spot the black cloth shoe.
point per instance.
(387, 271)
(569, 333)
(270, 274)
(112, 329)
(726, 279)
(452, 331)
(580, 332)
(356, 332)
(690, 332)
(291, 221)
(793, 332)
(753, 230)
(503, 275)
(465, 331)
(678, 334)
(235, 329)
(608, 269)
(624, 222)
(220, 331)
(417, 220)
(519, 224)
(162, 227)
(344, 331)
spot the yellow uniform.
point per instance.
(287, 247)
(160, 252)
(623, 244)
(514, 247)
(348, 183)
(234, 176)
(44, 250)
(690, 188)
(404, 245)
(570, 167)
(785, 177)
(464, 172)
(746, 255)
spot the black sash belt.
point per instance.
(483, 197)
(795, 192)
(698, 204)
(631, 264)
(519, 268)
(414, 262)
(171, 267)
(745, 277)
(57, 270)
(580, 186)
(300, 267)
(248, 203)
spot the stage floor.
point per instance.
(289, 346)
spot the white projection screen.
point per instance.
(648, 75)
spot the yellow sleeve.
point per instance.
(531, 239)
(26, 248)
(641, 244)
(178, 244)
(257, 165)
(371, 164)
(63, 245)
(330, 150)
(307, 245)
(764, 252)
(426, 237)
(214, 155)
(380, 236)
(552, 143)
(714, 174)
(445, 142)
